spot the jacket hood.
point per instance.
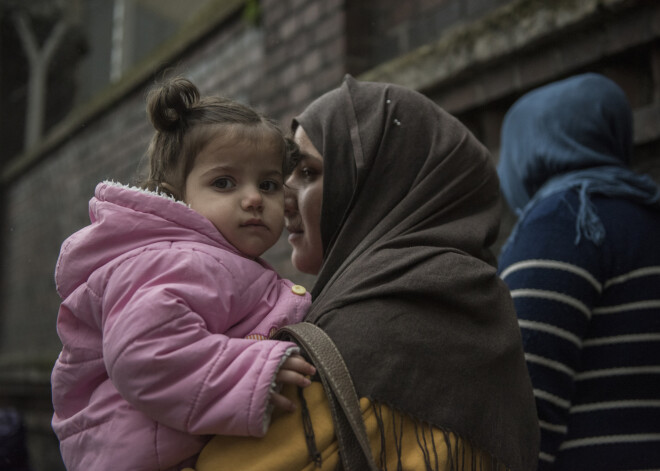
(123, 219)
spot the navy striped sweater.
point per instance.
(590, 323)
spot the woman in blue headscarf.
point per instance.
(583, 266)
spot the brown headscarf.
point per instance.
(408, 290)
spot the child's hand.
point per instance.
(293, 371)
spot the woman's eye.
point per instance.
(302, 176)
(223, 183)
(307, 173)
(269, 186)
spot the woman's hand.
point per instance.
(293, 371)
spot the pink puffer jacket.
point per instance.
(161, 322)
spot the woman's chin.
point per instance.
(301, 267)
(303, 263)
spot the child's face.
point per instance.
(237, 185)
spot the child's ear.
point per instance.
(170, 190)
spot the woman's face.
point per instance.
(302, 206)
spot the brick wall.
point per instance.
(304, 51)
(382, 30)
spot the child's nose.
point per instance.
(252, 199)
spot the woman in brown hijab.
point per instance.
(394, 205)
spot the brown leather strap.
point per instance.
(354, 446)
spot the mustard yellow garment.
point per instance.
(284, 447)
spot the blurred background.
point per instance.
(74, 76)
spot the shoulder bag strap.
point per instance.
(344, 404)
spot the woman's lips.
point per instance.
(295, 233)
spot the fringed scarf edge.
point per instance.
(457, 454)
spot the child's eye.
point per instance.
(223, 183)
(269, 186)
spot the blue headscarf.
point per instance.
(571, 134)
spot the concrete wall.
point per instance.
(473, 57)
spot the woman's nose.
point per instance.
(290, 200)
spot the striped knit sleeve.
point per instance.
(554, 285)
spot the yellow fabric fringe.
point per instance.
(284, 447)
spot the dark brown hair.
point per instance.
(185, 122)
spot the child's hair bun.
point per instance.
(168, 105)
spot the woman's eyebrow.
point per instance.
(306, 156)
(297, 159)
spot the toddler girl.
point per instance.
(167, 308)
